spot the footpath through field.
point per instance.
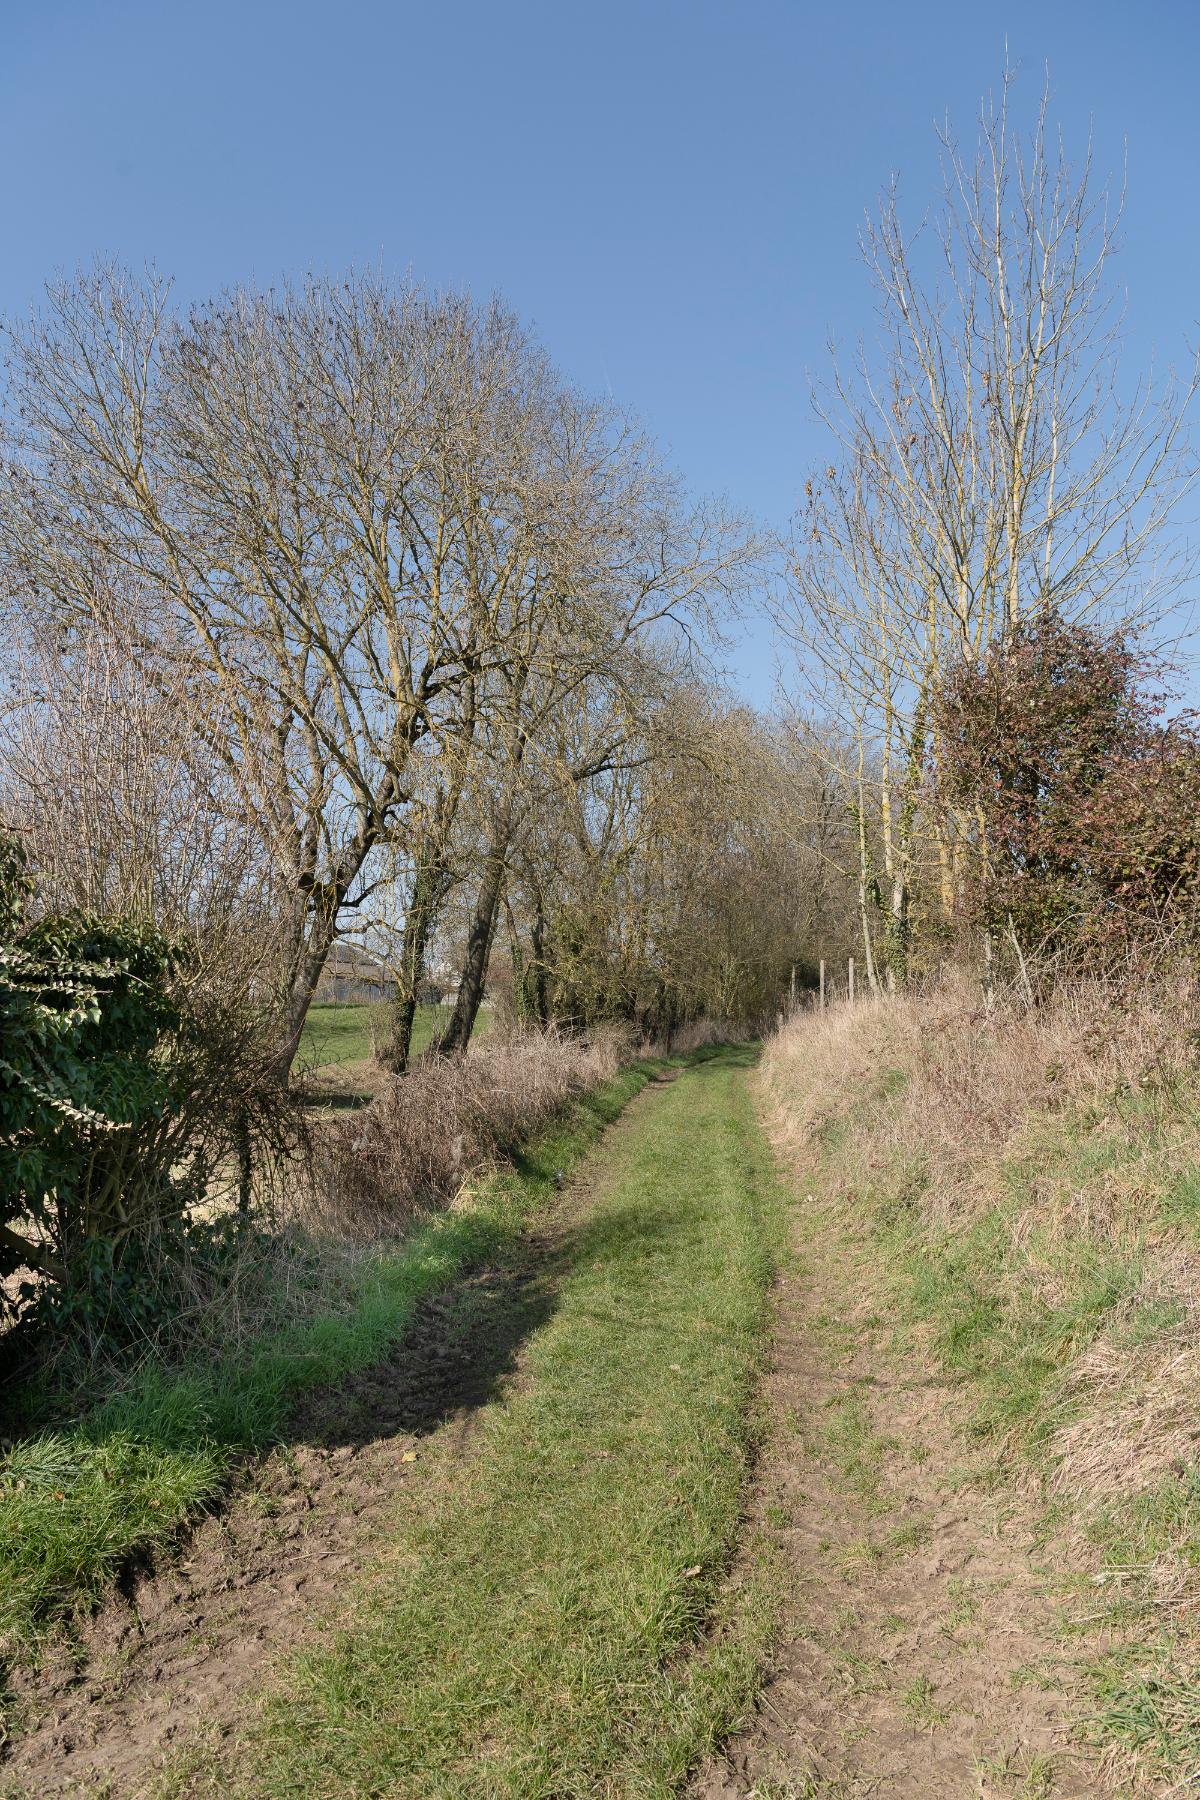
(498, 1564)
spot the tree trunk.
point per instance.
(429, 889)
(899, 940)
(315, 928)
(311, 961)
(540, 996)
(864, 873)
(457, 1034)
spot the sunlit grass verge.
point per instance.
(1022, 1193)
(556, 1620)
(78, 1505)
(1036, 1323)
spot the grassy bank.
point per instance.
(77, 1504)
(538, 1625)
(1021, 1192)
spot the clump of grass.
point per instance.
(964, 1601)
(1025, 1778)
(857, 1450)
(1148, 1701)
(919, 1703)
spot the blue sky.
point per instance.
(670, 191)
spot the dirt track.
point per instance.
(920, 1655)
(187, 1644)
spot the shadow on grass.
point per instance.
(461, 1346)
(168, 1445)
(464, 1342)
(333, 1100)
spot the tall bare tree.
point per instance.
(991, 462)
(343, 504)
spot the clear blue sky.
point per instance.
(670, 191)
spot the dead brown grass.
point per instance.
(1019, 1189)
(974, 1085)
(1071, 1122)
(428, 1131)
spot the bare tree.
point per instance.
(991, 464)
(122, 805)
(343, 505)
(692, 875)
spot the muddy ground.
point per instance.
(187, 1644)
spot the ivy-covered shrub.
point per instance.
(124, 1090)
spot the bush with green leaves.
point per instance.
(123, 1088)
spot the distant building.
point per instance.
(354, 978)
(440, 986)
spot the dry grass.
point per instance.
(356, 1184)
(1073, 1123)
(428, 1131)
(1140, 1413)
(977, 1083)
(1025, 1186)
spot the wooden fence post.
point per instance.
(822, 984)
(851, 981)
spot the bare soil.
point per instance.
(920, 1654)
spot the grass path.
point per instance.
(521, 1587)
(921, 1653)
(81, 1504)
(928, 1647)
(539, 1630)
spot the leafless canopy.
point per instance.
(355, 519)
(992, 464)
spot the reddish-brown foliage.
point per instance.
(1079, 801)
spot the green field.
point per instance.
(336, 1033)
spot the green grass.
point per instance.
(994, 1325)
(336, 1033)
(919, 1703)
(857, 1450)
(76, 1505)
(543, 1630)
(984, 1290)
(1146, 1700)
(1009, 1303)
